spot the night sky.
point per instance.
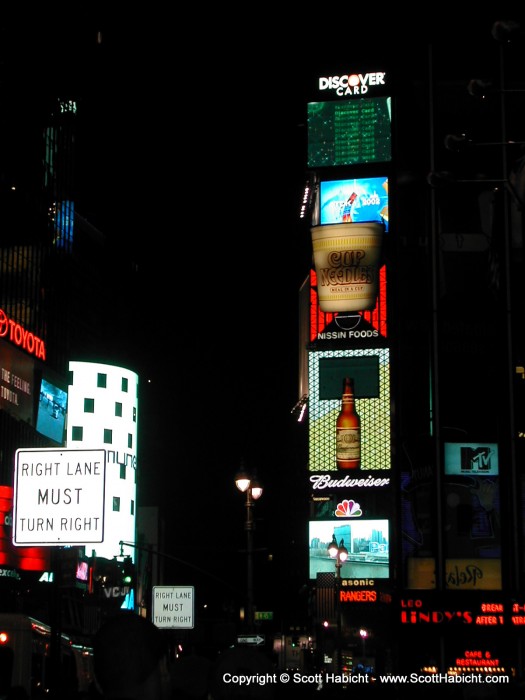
(191, 157)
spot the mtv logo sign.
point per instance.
(475, 460)
(471, 458)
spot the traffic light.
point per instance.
(127, 573)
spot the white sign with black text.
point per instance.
(173, 606)
(58, 497)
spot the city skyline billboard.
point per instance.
(367, 542)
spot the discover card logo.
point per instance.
(354, 84)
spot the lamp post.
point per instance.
(253, 490)
(363, 633)
(340, 553)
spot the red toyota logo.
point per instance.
(4, 323)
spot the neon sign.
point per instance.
(353, 83)
(477, 660)
(518, 616)
(365, 596)
(21, 337)
(412, 613)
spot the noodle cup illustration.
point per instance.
(347, 260)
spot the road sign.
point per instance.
(173, 606)
(256, 639)
(260, 615)
(58, 497)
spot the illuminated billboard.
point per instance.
(349, 132)
(12, 557)
(16, 334)
(465, 574)
(471, 459)
(16, 383)
(471, 514)
(102, 414)
(51, 410)
(370, 370)
(352, 328)
(367, 542)
(355, 200)
(347, 259)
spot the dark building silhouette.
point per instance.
(66, 292)
(454, 259)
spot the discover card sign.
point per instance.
(58, 497)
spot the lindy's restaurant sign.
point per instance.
(418, 611)
(18, 335)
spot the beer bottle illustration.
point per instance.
(348, 430)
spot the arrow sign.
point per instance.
(254, 639)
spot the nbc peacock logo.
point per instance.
(348, 509)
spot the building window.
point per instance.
(122, 471)
(77, 433)
(124, 384)
(130, 440)
(89, 405)
(116, 504)
(102, 380)
(118, 409)
(108, 436)
(132, 509)
(134, 414)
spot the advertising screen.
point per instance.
(351, 328)
(102, 413)
(349, 132)
(356, 200)
(472, 511)
(51, 411)
(472, 515)
(370, 370)
(471, 459)
(64, 223)
(367, 543)
(16, 383)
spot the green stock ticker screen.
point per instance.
(349, 132)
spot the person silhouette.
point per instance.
(130, 659)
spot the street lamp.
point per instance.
(363, 633)
(340, 553)
(253, 490)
